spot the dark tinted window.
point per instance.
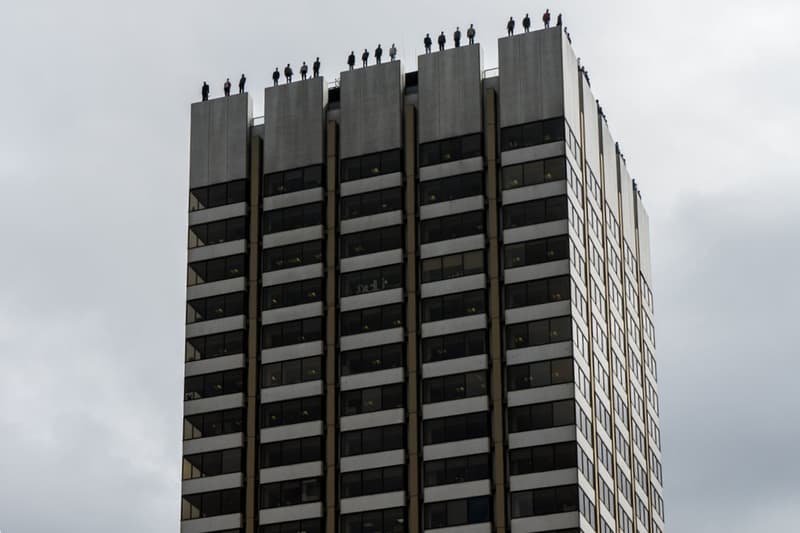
(214, 463)
(232, 229)
(534, 172)
(214, 307)
(452, 266)
(209, 346)
(454, 387)
(457, 512)
(454, 428)
(294, 332)
(311, 525)
(453, 305)
(231, 192)
(536, 292)
(291, 412)
(291, 371)
(539, 332)
(374, 481)
(535, 212)
(212, 424)
(372, 203)
(366, 166)
(532, 134)
(372, 280)
(543, 458)
(293, 180)
(297, 293)
(294, 217)
(372, 399)
(372, 319)
(451, 227)
(540, 374)
(290, 492)
(290, 452)
(293, 255)
(368, 242)
(454, 346)
(382, 521)
(451, 188)
(371, 359)
(457, 470)
(372, 440)
(210, 385)
(211, 504)
(541, 416)
(545, 501)
(452, 149)
(215, 270)
(536, 251)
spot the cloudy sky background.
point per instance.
(94, 122)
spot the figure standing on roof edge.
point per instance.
(303, 71)
(526, 23)
(351, 59)
(205, 90)
(275, 77)
(510, 26)
(392, 52)
(364, 58)
(442, 39)
(227, 87)
(457, 37)
(558, 20)
(471, 34)
(242, 81)
(428, 42)
(287, 73)
(316, 68)
(546, 18)
(378, 54)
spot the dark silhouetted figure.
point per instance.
(242, 81)
(392, 52)
(457, 37)
(442, 39)
(364, 58)
(526, 23)
(559, 21)
(510, 26)
(378, 54)
(315, 66)
(227, 87)
(205, 90)
(287, 73)
(471, 34)
(546, 18)
(566, 32)
(428, 42)
(275, 77)
(351, 60)
(303, 71)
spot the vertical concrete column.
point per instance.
(412, 358)
(330, 329)
(253, 331)
(495, 327)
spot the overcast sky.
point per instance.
(94, 123)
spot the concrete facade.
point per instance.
(444, 350)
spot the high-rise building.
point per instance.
(420, 301)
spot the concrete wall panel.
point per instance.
(609, 150)
(294, 125)
(450, 93)
(628, 208)
(572, 97)
(371, 109)
(643, 226)
(219, 140)
(531, 77)
(591, 139)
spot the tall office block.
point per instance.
(420, 302)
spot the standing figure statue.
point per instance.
(546, 18)
(287, 73)
(275, 77)
(392, 52)
(510, 26)
(227, 87)
(351, 60)
(303, 71)
(205, 90)
(442, 39)
(428, 42)
(559, 20)
(242, 81)
(471, 34)
(316, 67)
(457, 37)
(526, 23)
(378, 54)
(364, 58)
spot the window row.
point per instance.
(452, 266)
(454, 387)
(454, 513)
(454, 428)
(366, 166)
(537, 292)
(550, 500)
(371, 203)
(372, 440)
(294, 332)
(371, 359)
(534, 172)
(541, 416)
(456, 470)
(372, 280)
(216, 384)
(297, 179)
(297, 293)
(291, 256)
(540, 374)
(372, 241)
(453, 149)
(214, 307)
(212, 424)
(311, 525)
(453, 305)
(290, 452)
(291, 412)
(542, 458)
(217, 345)
(290, 492)
(538, 332)
(454, 346)
(536, 252)
(208, 504)
(374, 481)
(532, 134)
(451, 188)
(372, 319)
(372, 399)
(383, 521)
(231, 229)
(289, 218)
(231, 192)
(535, 212)
(451, 227)
(217, 269)
(214, 463)
(291, 371)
